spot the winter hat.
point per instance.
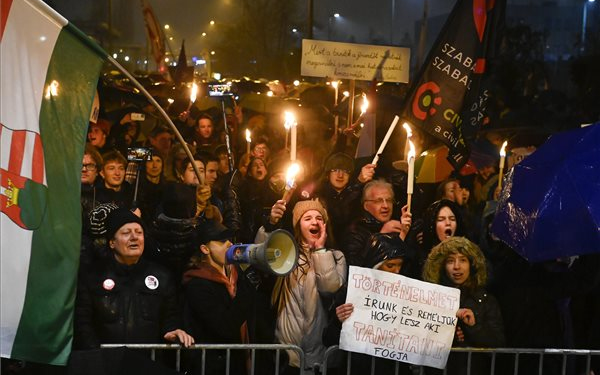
(214, 231)
(117, 218)
(303, 206)
(339, 160)
(97, 218)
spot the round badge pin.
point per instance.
(151, 282)
(108, 284)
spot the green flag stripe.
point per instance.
(45, 329)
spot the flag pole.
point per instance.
(161, 111)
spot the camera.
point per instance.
(139, 154)
(219, 89)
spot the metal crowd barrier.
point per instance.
(518, 355)
(227, 347)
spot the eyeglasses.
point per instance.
(381, 201)
(89, 167)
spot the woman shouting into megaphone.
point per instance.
(301, 316)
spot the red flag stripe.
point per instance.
(4, 10)
(37, 168)
(17, 146)
(480, 17)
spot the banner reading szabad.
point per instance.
(399, 318)
(449, 99)
(354, 61)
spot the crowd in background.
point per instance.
(342, 211)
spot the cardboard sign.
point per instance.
(354, 61)
(399, 318)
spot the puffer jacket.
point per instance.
(302, 318)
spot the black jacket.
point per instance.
(212, 316)
(342, 207)
(138, 306)
(488, 332)
(356, 241)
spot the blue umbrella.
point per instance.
(550, 205)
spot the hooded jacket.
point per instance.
(488, 330)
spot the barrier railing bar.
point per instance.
(565, 353)
(469, 357)
(227, 363)
(348, 361)
(253, 361)
(373, 365)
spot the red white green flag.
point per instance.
(48, 80)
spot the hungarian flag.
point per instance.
(48, 80)
(448, 100)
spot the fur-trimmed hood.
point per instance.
(434, 270)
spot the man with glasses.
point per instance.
(378, 206)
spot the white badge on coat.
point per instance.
(108, 284)
(151, 282)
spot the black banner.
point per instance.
(448, 99)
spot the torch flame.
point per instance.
(503, 149)
(290, 120)
(408, 129)
(412, 151)
(194, 92)
(365, 104)
(290, 176)
(248, 137)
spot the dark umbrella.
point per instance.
(550, 205)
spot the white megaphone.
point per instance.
(277, 255)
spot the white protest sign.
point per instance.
(399, 318)
(354, 61)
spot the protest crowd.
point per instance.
(150, 214)
(242, 212)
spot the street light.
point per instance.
(584, 23)
(329, 26)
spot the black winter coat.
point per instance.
(356, 242)
(117, 303)
(342, 207)
(212, 316)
